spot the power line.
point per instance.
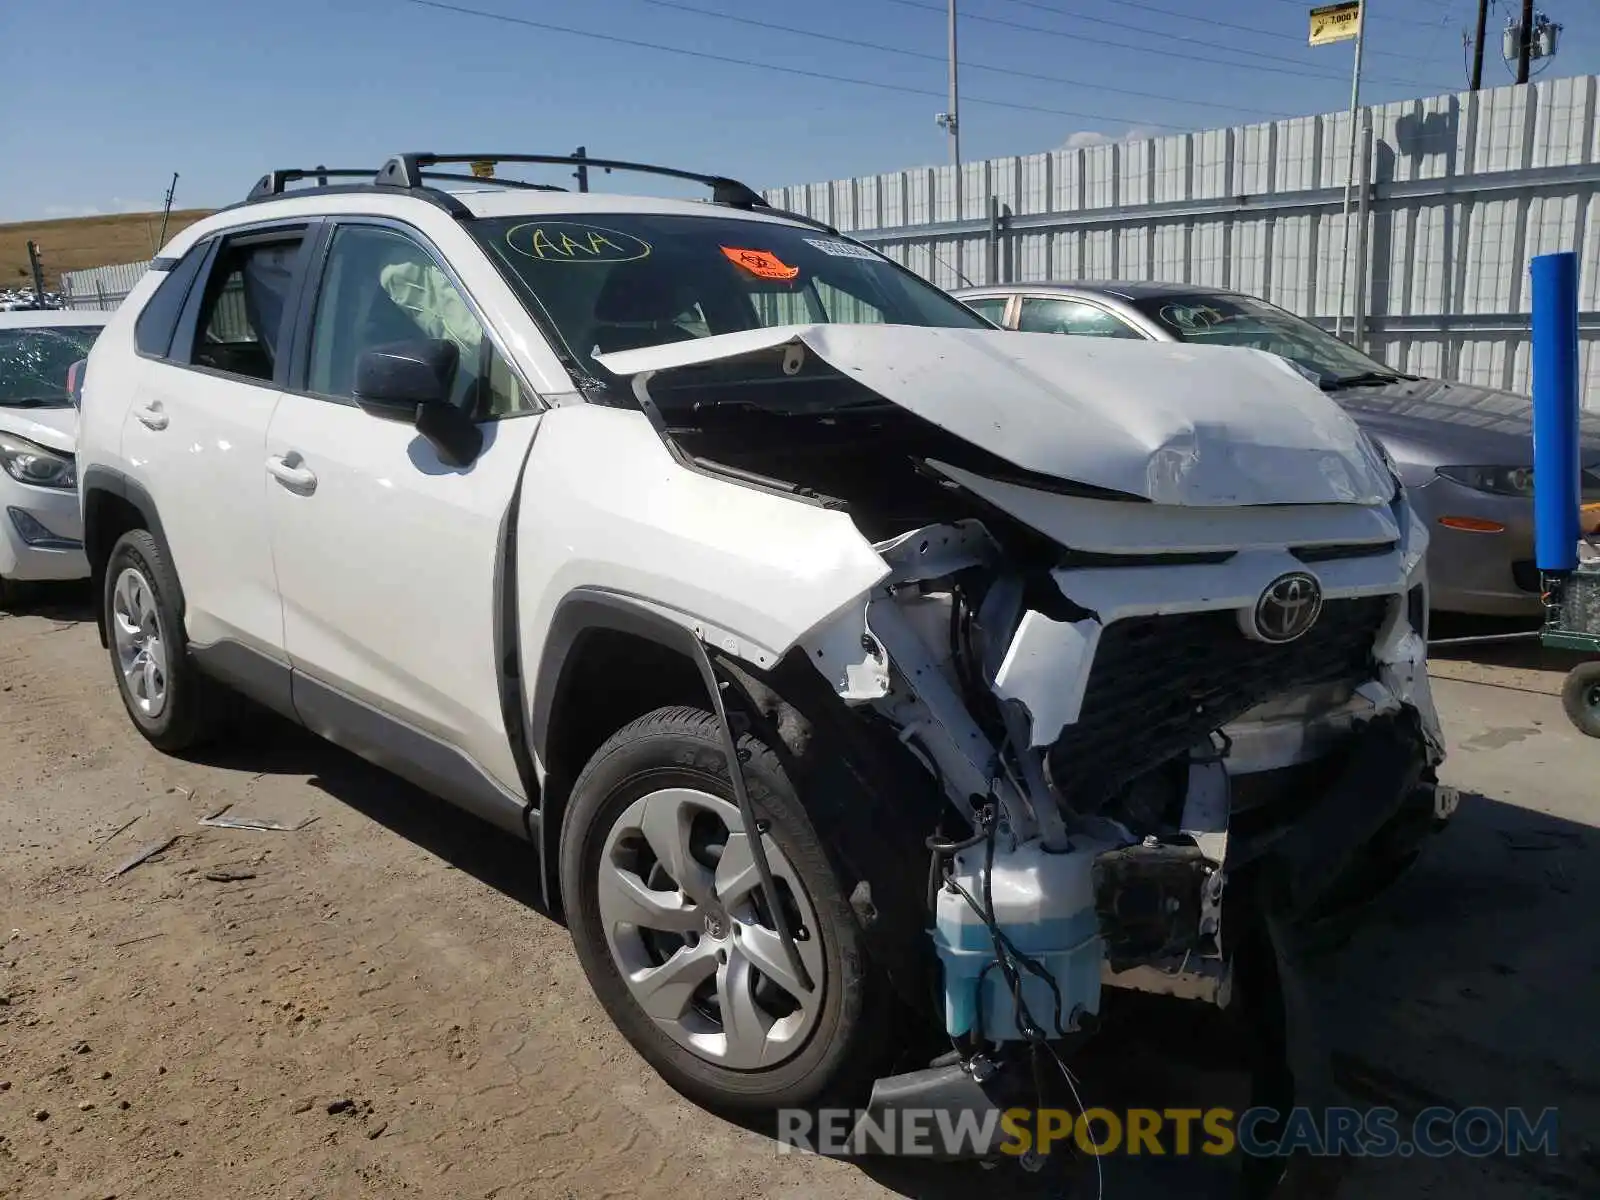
(966, 64)
(1300, 72)
(1303, 6)
(1171, 37)
(1256, 30)
(772, 68)
(1176, 37)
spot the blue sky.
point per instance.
(108, 97)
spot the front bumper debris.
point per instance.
(1366, 824)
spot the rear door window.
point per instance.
(1041, 314)
(240, 326)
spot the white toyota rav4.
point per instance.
(840, 656)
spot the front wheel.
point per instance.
(672, 925)
(1580, 696)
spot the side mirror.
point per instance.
(75, 382)
(410, 381)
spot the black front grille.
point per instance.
(1159, 685)
(1343, 550)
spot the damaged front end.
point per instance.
(1182, 681)
(1119, 765)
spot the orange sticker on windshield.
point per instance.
(760, 262)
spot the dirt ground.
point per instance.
(373, 1005)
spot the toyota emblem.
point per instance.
(1288, 608)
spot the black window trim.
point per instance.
(310, 296)
(307, 229)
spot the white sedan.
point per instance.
(41, 529)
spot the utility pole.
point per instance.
(950, 120)
(1477, 45)
(166, 211)
(38, 273)
(1350, 165)
(955, 100)
(1525, 42)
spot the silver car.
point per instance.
(1465, 452)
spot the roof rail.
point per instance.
(521, 184)
(407, 171)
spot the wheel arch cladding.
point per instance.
(112, 505)
(609, 661)
(606, 663)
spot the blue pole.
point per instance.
(1556, 468)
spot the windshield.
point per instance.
(1219, 319)
(34, 363)
(621, 281)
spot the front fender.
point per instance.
(606, 507)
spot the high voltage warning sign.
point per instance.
(1335, 22)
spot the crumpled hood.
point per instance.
(1172, 423)
(52, 428)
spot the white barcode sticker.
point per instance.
(840, 249)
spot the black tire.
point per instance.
(1580, 696)
(190, 714)
(854, 1030)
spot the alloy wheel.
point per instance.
(687, 924)
(141, 647)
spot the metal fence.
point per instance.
(1455, 193)
(100, 287)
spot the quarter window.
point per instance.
(152, 332)
(381, 287)
(990, 308)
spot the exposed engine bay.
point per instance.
(1126, 698)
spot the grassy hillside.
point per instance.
(73, 243)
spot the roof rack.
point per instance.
(407, 171)
(273, 182)
(407, 174)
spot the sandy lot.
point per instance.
(183, 1030)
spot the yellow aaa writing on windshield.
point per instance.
(570, 242)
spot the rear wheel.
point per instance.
(675, 934)
(1580, 696)
(164, 694)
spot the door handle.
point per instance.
(290, 471)
(151, 416)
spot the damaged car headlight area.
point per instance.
(1167, 673)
